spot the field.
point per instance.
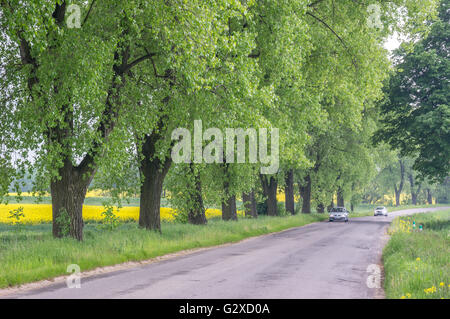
(417, 263)
(42, 213)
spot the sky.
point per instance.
(392, 43)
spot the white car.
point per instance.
(338, 213)
(380, 210)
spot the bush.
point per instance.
(282, 209)
(110, 220)
(180, 216)
(261, 208)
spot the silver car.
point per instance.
(380, 210)
(338, 213)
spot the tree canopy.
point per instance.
(416, 111)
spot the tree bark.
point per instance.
(329, 207)
(197, 214)
(229, 208)
(229, 201)
(250, 204)
(305, 193)
(270, 192)
(340, 198)
(153, 170)
(429, 197)
(414, 193)
(68, 194)
(398, 191)
(321, 208)
(289, 192)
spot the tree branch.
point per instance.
(88, 13)
(137, 61)
(337, 36)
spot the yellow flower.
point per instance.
(441, 284)
(408, 295)
(430, 290)
(418, 259)
(402, 297)
(42, 213)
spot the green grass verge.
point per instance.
(29, 253)
(416, 264)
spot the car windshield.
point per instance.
(381, 207)
(337, 210)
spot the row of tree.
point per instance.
(396, 177)
(102, 99)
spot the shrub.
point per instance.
(261, 208)
(110, 220)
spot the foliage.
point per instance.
(261, 208)
(16, 214)
(110, 220)
(312, 69)
(64, 221)
(416, 111)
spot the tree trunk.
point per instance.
(196, 214)
(321, 208)
(305, 193)
(229, 208)
(414, 193)
(352, 207)
(289, 192)
(429, 197)
(68, 194)
(153, 171)
(398, 191)
(229, 201)
(340, 198)
(329, 207)
(270, 192)
(397, 197)
(250, 204)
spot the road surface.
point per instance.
(320, 260)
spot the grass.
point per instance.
(28, 253)
(417, 263)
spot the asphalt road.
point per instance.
(320, 260)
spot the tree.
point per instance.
(414, 189)
(289, 191)
(398, 187)
(64, 113)
(249, 201)
(416, 111)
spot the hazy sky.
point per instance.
(392, 43)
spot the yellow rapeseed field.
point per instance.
(42, 213)
(281, 196)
